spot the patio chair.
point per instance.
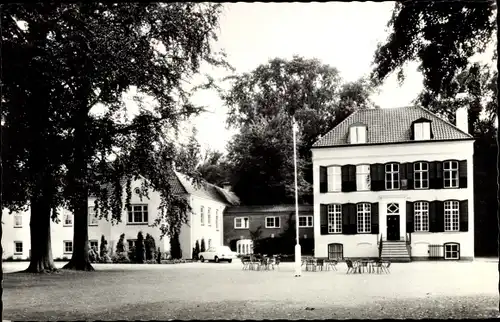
(246, 263)
(310, 265)
(332, 263)
(351, 268)
(378, 266)
(320, 264)
(385, 266)
(363, 265)
(276, 262)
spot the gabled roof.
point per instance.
(267, 208)
(391, 125)
(184, 184)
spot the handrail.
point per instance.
(380, 247)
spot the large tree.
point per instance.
(306, 89)
(261, 158)
(91, 54)
(442, 36)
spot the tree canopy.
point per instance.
(69, 58)
(441, 35)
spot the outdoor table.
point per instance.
(368, 263)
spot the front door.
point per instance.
(392, 227)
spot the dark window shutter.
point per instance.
(345, 219)
(464, 215)
(409, 175)
(277, 221)
(323, 219)
(409, 217)
(439, 175)
(377, 177)
(353, 229)
(375, 228)
(439, 216)
(352, 177)
(433, 217)
(462, 174)
(402, 171)
(323, 185)
(345, 178)
(432, 175)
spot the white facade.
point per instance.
(62, 233)
(365, 245)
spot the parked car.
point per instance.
(217, 254)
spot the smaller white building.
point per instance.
(204, 222)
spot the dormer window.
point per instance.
(422, 130)
(357, 134)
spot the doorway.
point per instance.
(392, 227)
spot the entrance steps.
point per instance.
(395, 251)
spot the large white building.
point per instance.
(396, 181)
(204, 222)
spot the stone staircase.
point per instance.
(395, 251)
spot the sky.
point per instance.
(343, 35)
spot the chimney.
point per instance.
(462, 119)
(226, 186)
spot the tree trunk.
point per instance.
(1, 269)
(80, 260)
(41, 260)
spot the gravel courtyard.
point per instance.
(223, 291)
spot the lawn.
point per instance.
(224, 291)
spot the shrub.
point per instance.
(105, 259)
(104, 247)
(150, 245)
(140, 252)
(196, 250)
(175, 247)
(202, 247)
(131, 254)
(120, 246)
(120, 257)
(158, 256)
(151, 261)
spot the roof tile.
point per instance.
(391, 125)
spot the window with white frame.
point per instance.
(363, 177)
(392, 176)
(450, 174)
(451, 216)
(18, 248)
(305, 221)
(241, 222)
(18, 221)
(451, 251)
(68, 246)
(94, 244)
(216, 219)
(68, 219)
(202, 215)
(421, 217)
(273, 222)
(364, 216)
(209, 215)
(421, 175)
(357, 134)
(93, 220)
(422, 131)
(334, 218)
(137, 214)
(393, 208)
(334, 175)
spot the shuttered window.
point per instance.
(450, 174)
(451, 216)
(334, 178)
(421, 175)
(392, 176)
(421, 216)
(363, 177)
(334, 218)
(363, 214)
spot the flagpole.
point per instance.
(298, 256)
